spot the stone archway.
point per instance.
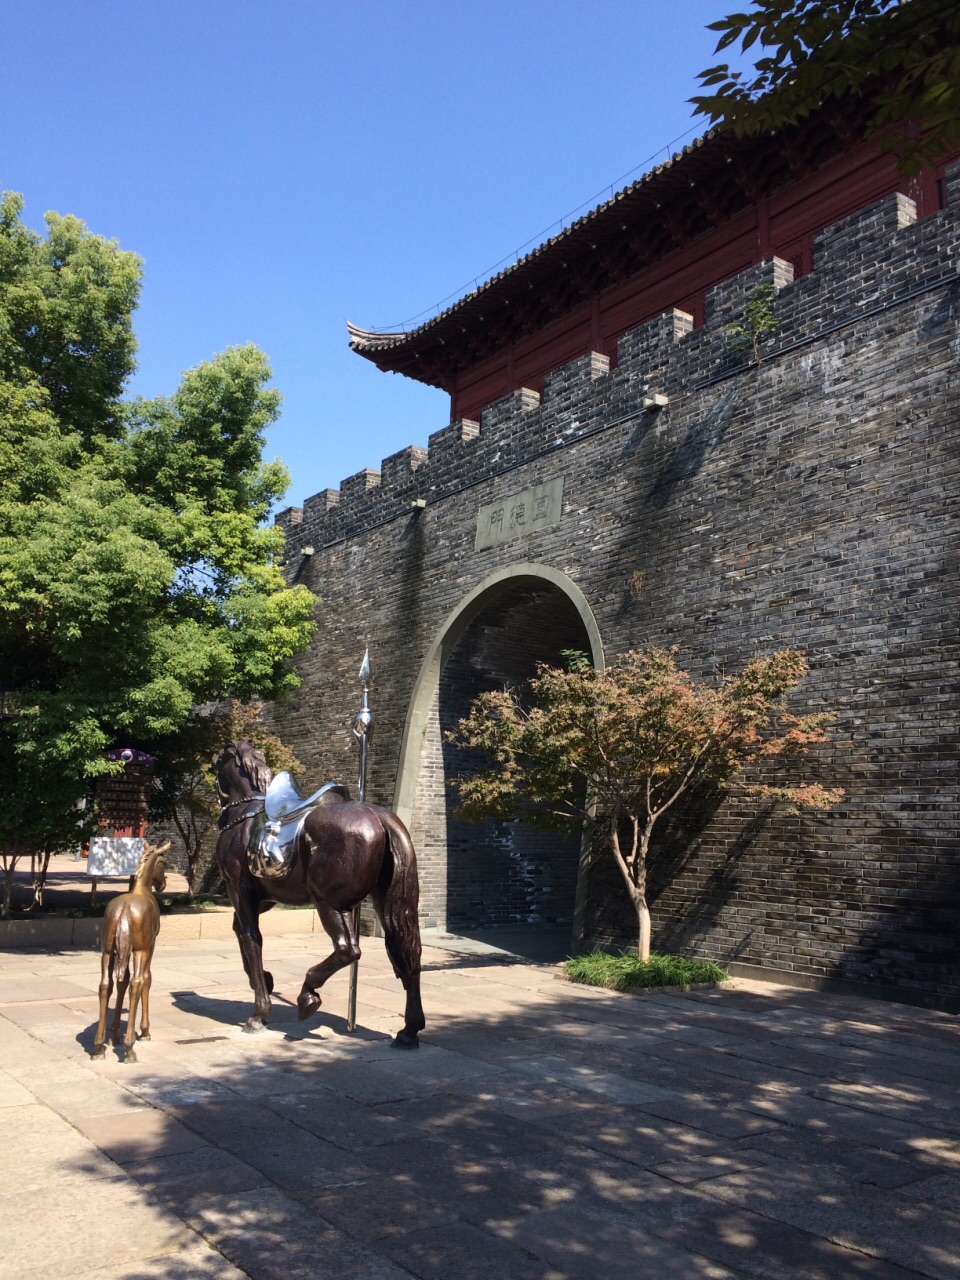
(478, 876)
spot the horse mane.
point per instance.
(251, 760)
(151, 853)
(146, 858)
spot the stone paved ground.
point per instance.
(543, 1131)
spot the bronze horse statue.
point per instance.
(128, 935)
(343, 852)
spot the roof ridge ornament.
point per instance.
(369, 339)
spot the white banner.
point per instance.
(114, 855)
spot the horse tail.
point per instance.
(397, 899)
(122, 946)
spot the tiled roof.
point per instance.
(377, 340)
(698, 189)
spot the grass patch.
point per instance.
(626, 973)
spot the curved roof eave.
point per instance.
(711, 180)
(375, 340)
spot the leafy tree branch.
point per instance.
(899, 60)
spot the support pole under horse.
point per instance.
(361, 731)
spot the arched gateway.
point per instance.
(479, 875)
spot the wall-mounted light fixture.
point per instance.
(418, 504)
(656, 401)
(306, 551)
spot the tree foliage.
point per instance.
(137, 579)
(757, 322)
(900, 58)
(616, 750)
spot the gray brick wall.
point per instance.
(810, 502)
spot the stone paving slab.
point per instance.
(544, 1131)
(192, 1261)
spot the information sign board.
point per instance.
(114, 855)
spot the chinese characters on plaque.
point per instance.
(521, 513)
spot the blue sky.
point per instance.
(282, 167)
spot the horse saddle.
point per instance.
(273, 837)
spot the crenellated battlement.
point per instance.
(869, 261)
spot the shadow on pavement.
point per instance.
(546, 1132)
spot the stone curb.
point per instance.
(727, 985)
(65, 932)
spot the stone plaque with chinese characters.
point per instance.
(521, 513)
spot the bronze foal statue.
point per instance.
(276, 847)
(131, 923)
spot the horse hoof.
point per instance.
(253, 1026)
(144, 1035)
(99, 1051)
(268, 980)
(404, 1040)
(308, 1002)
(129, 1056)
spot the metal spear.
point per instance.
(361, 731)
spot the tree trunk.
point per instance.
(204, 874)
(644, 928)
(636, 887)
(8, 871)
(40, 879)
(193, 834)
(640, 892)
(207, 879)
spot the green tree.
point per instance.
(615, 751)
(184, 783)
(900, 59)
(137, 576)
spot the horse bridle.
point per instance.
(234, 804)
(227, 805)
